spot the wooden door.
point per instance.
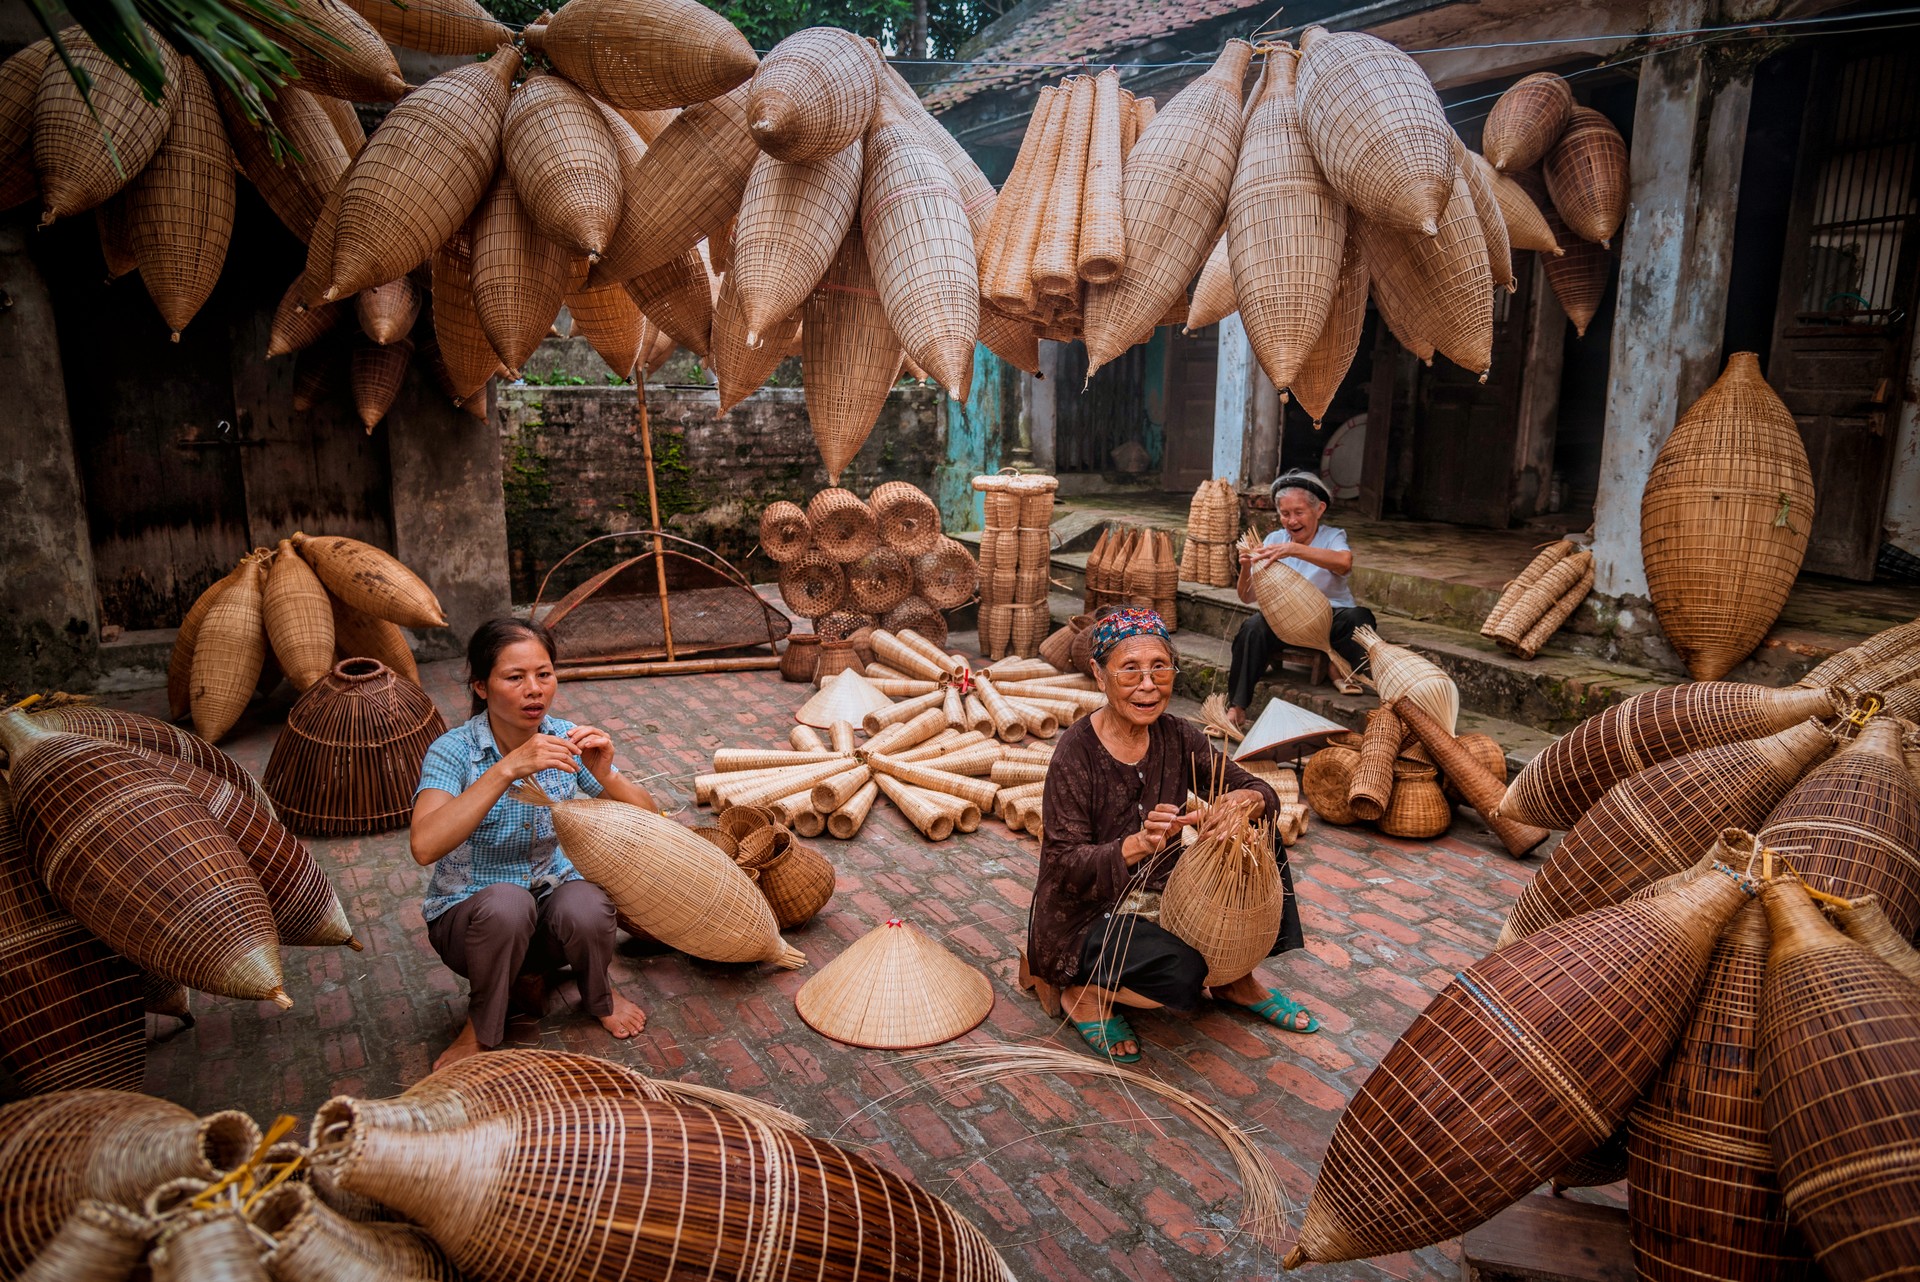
(1848, 291)
(1093, 419)
(1193, 362)
(1465, 431)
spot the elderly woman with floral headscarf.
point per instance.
(1115, 795)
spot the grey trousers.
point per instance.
(498, 934)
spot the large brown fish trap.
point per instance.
(1476, 783)
(1725, 519)
(349, 758)
(447, 27)
(86, 149)
(695, 173)
(1529, 1058)
(1526, 121)
(519, 275)
(180, 209)
(1586, 174)
(1377, 128)
(1865, 924)
(228, 650)
(136, 730)
(850, 354)
(895, 988)
(908, 520)
(371, 580)
(812, 95)
(1439, 287)
(793, 219)
(562, 161)
(646, 54)
(843, 525)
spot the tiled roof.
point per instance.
(1073, 31)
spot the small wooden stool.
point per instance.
(1314, 661)
(1046, 994)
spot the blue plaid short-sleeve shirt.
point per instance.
(515, 843)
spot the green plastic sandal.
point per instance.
(1280, 1010)
(1104, 1034)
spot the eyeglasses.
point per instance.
(1160, 673)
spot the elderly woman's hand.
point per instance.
(1155, 831)
(1236, 807)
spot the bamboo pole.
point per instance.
(667, 668)
(734, 760)
(653, 516)
(900, 713)
(980, 792)
(845, 822)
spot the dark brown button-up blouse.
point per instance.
(1092, 804)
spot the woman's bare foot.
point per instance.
(467, 1044)
(1237, 717)
(626, 1019)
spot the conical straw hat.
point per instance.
(846, 696)
(895, 989)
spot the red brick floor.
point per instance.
(1069, 1176)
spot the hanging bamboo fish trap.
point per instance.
(646, 54)
(1325, 366)
(519, 276)
(19, 86)
(695, 172)
(378, 374)
(1840, 1090)
(562, 161)
(116, 237)
(1102, 232)
(1056, 254)
(895, 988)
(1401, 674)
(87, 148)
(813, 95)
(295, 327)
(296, 183)
(1725, 519)
(1580, 271)
(1486, 208)
(1377, 128)
(449, 27)
(1572, 773)
(371, 580)
(850, 354)
(793, 218)
(57, 1151)
(1527, 120)
(1006, 275)
(1586, 174)
(469, 359)
(1428, 1148)
(337, 52)
(1527, 227)
(180, 209)
(386, 312)
(228, 650)
(1662, 820)
(1700, 1179)
(1286, 230)
(70, 1007)
(1440, 285)
(1174, 189)
(1213, 296)
(350, 756)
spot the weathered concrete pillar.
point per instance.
(1043, 409)
(449, 515)
(1233, 402)
(1690, 119)
(49, 613)
(1263, 458)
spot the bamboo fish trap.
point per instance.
(851, 355)
(298, 618)
(696, 170)
(311, 1240)
(350, 755)
(19, 87)
(1298, 612)
(677, 887)
(449, 27)
(1840, 1090)
(1873, 664)
(180, 209)
(1476, 783)
(87, 149)
(1529, 1058)
(519, 276)
(1224, 899)
(1401, 674)
(371, 580)
(1586, 174)
(679, 1189)
(140, 862)
(813, 95)
(561, 158)
(1866, 925)
(1377, 128)
(1527, 120)
(99, 1242)
(1573, 772)
(1725, 519)
(135, 730)
(793, 219)
(1662, 820)
(1440, 286)
(645, 55)
(1326, 364)
(228, 650)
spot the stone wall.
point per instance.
(574, 467)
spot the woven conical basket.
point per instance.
(813, 95)
(350, 756)
(677, 296)
(116, 237)
(228, 651)
(851, 356)
(1377, 129)
(695, 173)
(180, 208)
(1325, 366)
(1725, 518)
(1563, 1029)
(294, 185)
(386, 312)
(1213, 296)
(1174, 191)
(298, 618)
(378, 374)
(1586, 174)
(1580, 271)
(519, 276)
(371, 580)
(793, 218)
(469, 358)
(895, 988)
(1440, 286)
(296, 328)
(739, 367)
(1526, 227)
(1526, 121)
(1486, 208)
(335, 51)
(646, 54)
(85, 150)
(563, 162)
(19, 86)
(609, 320)
(797, 883)
(1401, 674)
(445, 27)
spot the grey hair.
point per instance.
(1299, 489)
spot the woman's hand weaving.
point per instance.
(1234, 808)
(1155, 831)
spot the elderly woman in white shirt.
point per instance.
(1319, 553)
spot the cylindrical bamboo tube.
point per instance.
(955, 706)
(1102, 251)
(1372, 783)
(950, 665)
(831, 793)
(933, 822)
(1482, 791)
(1014, 668)
(1027, 753)
(704, 784)
(842, 735)
(1065, 711)
(878, 671)
(1057, 255)
(940, 745)
(1009, 773)
(1085, 699)
(792, 779)
(895, 714)
(896, 653)
(1040, 723)
(1023, 792)
(789, 808)
(733, 760)
(1024, 816)
(906, 734)
(1129, 125)
(845, 822)
(1010, 288)
(977, 718)
(980, 792)
(808, 822)
(1007, 723)
(1018, 188)
(1066, 681)
(900, 687)
(806, 739)
(976, 759)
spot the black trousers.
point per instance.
(1255, 647)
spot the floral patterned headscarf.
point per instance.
(1112, 629)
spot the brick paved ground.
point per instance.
(1066, 1175)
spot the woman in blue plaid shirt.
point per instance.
(505, 908)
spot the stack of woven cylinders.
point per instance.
(1015, 559)
(1213, 526)
(1541, 599)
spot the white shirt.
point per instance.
(1332, 586)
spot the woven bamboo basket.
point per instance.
(1006, 281)
(920, 248)
(1417, 809)
(180, 661)
(57, 1151)
(850, 354)
(812, 95)
(99, 1242)
(1166, 580)
(610, 321)
(361, 636)
(977, 195)
(1700, 1179)
(1174, 191)
(677, 297)
(465, 353)
(1102, 234)
(687, 1188)
(799, 882)
(228, 652)
(785, 532)
(835, 657)
(1548, 557)
(798, 660)
(1297, 611)
(386, 312)
(1526, 227)
(1056, 254)
(133, 730)
(295, 184)
(1865, 924)
(1440, 287)
(518, 275)
(350, 756)
(1325, 366)
(86, 150)
(1224, 899)
(1377, 128)
(1401, 674)
(449, 27)
(421, 174)
(877, 582)
(1853, 826)
(371, 580)
(695, 171)
(1392, 306)
(921, 616)
(740, 368)
(1213, 294)
(1372, 781)
(378, 373)
(1725, 518)
(1057, 649)
(1586, 174)
(646, 54)
(909, 521)
(70, 1007)
(1662, 820)
(793, 218)
(337, 52)
(1493, 223)
(213, 1243)
(895, 988)
(295, 327)
(1286, 230)
(1527, 120)
(19, 86)
(1871, 664)
(1840, 1090)
(740, 822)
(845, 625)
(1326, 781)
(180, 209)
(563, 163)
(312, 1241)
(1563, 1029)
(843, 526)
(1572, 773)
(1580, 271)
(1482, 790)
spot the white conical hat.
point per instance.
(846, 696)
(895, 989)
(1282, 725)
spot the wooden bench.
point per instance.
(1549, 1239)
